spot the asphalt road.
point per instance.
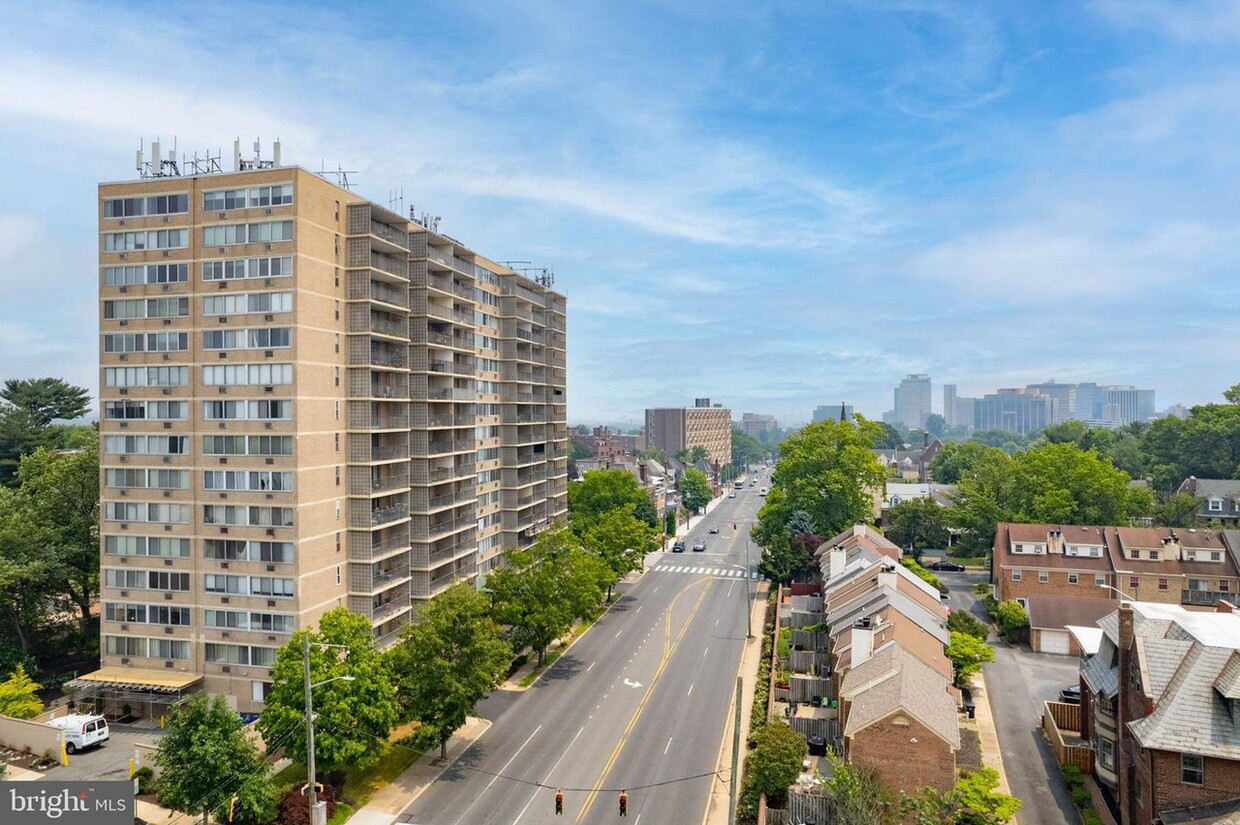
(638, 703)
(1018, 682)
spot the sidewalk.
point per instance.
(389, 801)
(719, 803)
(992, 756)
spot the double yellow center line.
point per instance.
(669, 647)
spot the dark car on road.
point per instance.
(947, 566)
(678, 547)
(1071, 695)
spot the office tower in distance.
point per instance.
(308, 401)
(912, 401)
(1016, 410)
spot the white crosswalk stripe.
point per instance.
(695, 570)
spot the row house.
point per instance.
(871, 616)
(1160, 704)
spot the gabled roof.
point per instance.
(893, 680)
(1190, 716)
(1228, 682)
(870, 602)
(1158, 660)
(1056, 612)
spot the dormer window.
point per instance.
(1136, 554)
(1020, 548)
(1153, 555)
(1216, 505)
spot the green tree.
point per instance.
(889, 436)
(856, 795)
(956, 459)
(745, 448)
(669, 522)
(1177, 510)
(448, 661)
(1232, 394)
(783, 560)
(600, 491)
(1011, 618)
(205, 758)
(695, 490)
(19, 698)
(622, 542)
(59, 497)
(967, 655)
(20, 434)
(979, 803)
(646, 513)
(828, 470)
(775, 761)
(961, 622)
(542, 588)
(353, 718)
(918, 523)
(29, 580)
(936, 425)
(46, 399)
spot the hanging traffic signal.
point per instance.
(559, 803)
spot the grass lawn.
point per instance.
(970, 561)
(360, 784)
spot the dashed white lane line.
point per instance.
(704, 652)
(617, 636)
(690, 693)
(497, 776)
(548, 776)
(638, 610)
(669, 745)
(592, 664)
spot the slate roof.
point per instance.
(1098, 672)
(894, 680)
(1228, 681)
(1216, 813)
(1158, 660)
(1190, 716)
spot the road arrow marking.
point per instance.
(627, 683)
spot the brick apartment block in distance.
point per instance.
(673, 429)
(1041, 565)
(308, 401)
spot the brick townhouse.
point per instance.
(1050, 560)
(1191, 567)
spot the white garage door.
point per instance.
(1054, 641)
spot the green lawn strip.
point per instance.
(360, 783)
(970, 561)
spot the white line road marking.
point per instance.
(591, 667)
(617, 636)
(707, 650)
(656, 590)
(638, 610)
(669, 745)
(497, 775)
(716, 622)
(548, 776)
(729, 594)
(690, 693)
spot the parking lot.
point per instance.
(108, 761)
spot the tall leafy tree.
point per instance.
(542, 589)
(956, 459)
(28, 581)
(59, 497)
(20, 434)
(745, 448)
(695, 490)
(600, 491)
(448, 661)
(856, 795)
(967, 655)
(353, 718)
(622, 542)
(827, 470)
(205, 759)
(918, 523)
(775, 761)
(46, 399)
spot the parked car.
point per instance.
(81, 730)
(947, 566)
(699, 545)
(714, 528)
(1071, 695)
(678, 547)
(731, 495)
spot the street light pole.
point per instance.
(318, 810)
(748, 595)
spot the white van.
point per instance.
(81, 731)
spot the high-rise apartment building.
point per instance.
(1126, 404)
(949, 404)
(912, 401)
(308, 401)
(834, 412)
(1014, 410)
(673, 429)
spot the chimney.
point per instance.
(839, 557)
(887, 577)
(862, 642)
(1126, 635)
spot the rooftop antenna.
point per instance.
(242, 165)
(396, 200)
(340, 174)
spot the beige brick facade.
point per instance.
(363, 412)
(675, 429)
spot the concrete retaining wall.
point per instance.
(30, 736)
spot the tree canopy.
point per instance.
(695, 490)
(448, 660)
(46, 399)
(745, 448)
(600, 491)
(919, 523)
(621, 541)
(967, 654)
(19, 697)
(353, 718)
(827, 470)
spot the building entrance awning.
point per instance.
(132, 678)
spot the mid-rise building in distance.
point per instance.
(675, 429)
(834, 412)
(1014, 410)
(755, 424)
(912, 401)
(308, 401)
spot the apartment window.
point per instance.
(1016, 575)
(146, 308)
(140, 274)
(1020, 548)
(245, 480)
(260, 338)
(247, 303)
(1072, 578)
(1153, 555)
(146, 512)
(154, 479)
(338, 574)
(242, 233)
(272, 622)
(216, 583)
(242, 515)
(1215, 556)
(1216, 505)
(264, 410)
(271, 552)
(159, 546)
(226, 199)
(145, 376)
(1043, 576)
(270, 586)
(124, 646)
(1162, 584)
(241, 375)
(223, 445)
(1099, 579)
(236, 269)
(152, 410)
(1133, 583)
(1192, 769)
(137, 207)
(145, 579)
(138, 241)
(145, 341)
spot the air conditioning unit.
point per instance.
(270, 247)
(124, 594)
(167, 425)
(167, 494)
(223, 285)
(168, 563)
(226, 669)
(223, 531)
(226, 635)
(268, 211)
(124, 560)
(123, 290)
(271, 531)
(166, 392)
(125, 661)
(168, 630)
(124, 627)
(124, 256)
(168, 597)
(124, 323)
(126, 492)
(223, 565)
(223, 600)
(271, 461)
(271, 602)
(223, 216)
(166, 287)
(271, 638)
(124, 425)
(167, 357)
(271, 568)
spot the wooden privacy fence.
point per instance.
(806, 688)
(798, 619)
(809, 661)
(1061, 724)
(810, 639)
(807, 604)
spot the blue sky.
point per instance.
(777, 205)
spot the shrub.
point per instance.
(295, 809)
(1011, 618)
(1091, 817)
(1081, 797)
(968, 624)
(775, 761)
(146, 780)
(983, 589)
(1072, 775)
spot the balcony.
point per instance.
(1203, 598)
(442, 257)
(383, 612)
(387, 515)
(388, 295)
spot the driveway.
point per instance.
(108, 761)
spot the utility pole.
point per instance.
(317, 814)
(736, 755)
(748, 597)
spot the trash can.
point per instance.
(817, 746)
(970, 709)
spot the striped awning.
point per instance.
(137, 679)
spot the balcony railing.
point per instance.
(388, 514)
(1206, 598)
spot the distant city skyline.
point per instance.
(780, 206)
